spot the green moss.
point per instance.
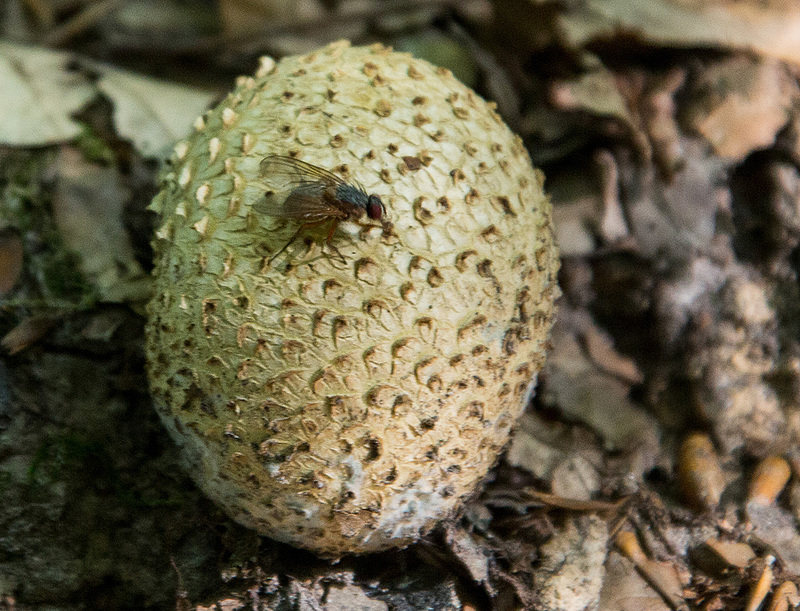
(93, 147)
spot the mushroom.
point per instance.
(343, 384)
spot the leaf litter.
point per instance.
(675, 184)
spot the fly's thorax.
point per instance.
(352, 195)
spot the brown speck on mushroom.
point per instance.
(457, 176)
(412, 163)
(383, 108)
(415, 73)
(420, 120)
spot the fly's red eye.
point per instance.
(374, 207)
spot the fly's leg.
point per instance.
(334, 225)
(302, 228)
(285, 246)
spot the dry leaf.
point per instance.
(740, 104)
(38, 96)
(595, 91)
(663, 576)
(533, 449)
(575, 478)
(600, 349)
(152, 114)
(87, 207)
(586, 393)
(769, 28)
(625, 590)
(733, 553)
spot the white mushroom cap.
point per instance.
(346, 397)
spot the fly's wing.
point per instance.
(291, 171)
(305, 202)
(302, 204)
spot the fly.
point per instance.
(317, 196)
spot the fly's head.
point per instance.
(375, 208)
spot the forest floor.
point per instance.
(657, 467)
